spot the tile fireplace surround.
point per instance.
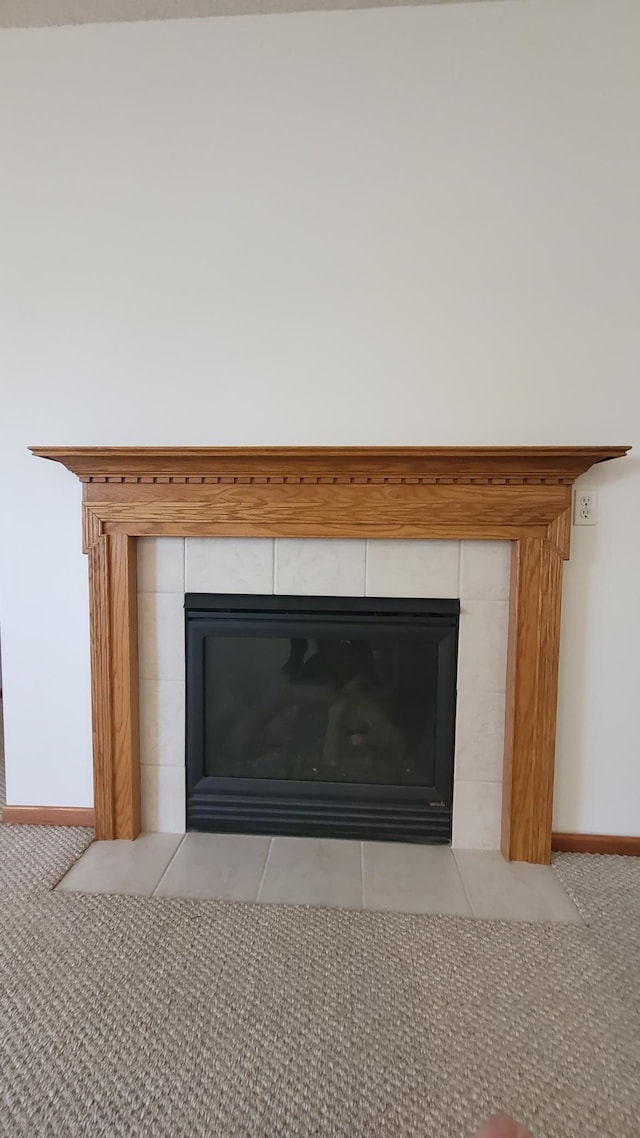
(375, 495)
(477, 572)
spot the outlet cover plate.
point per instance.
(585, 507)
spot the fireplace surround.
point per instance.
(475, 573)
(522, 495)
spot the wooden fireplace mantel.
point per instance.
(517, 494)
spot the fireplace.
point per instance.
(516, 494)
(327, 716)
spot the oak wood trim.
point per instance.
(339, 463)
(626, 845)
(350, 508)
(48, 815)
(125, 684)
(335, 528)
(104, 756)
(559, 533)
(114, 685)
(92, 528)
(521, 494)
(531, 700)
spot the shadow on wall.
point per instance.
(582, 598)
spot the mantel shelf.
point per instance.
(341, 464)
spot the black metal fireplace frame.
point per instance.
(321, 809)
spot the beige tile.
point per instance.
(122, 867)
(163, 799)
(161, 565)
(222, 867)
(323, 568)
(229, 565)
(409, 878)
(485, 570)
(477, 812)
(413, 568)
(161, 636)
(313, 871)
(513, 891)
(557, 903)
(482, 655)
(480, 735)
(162, 732)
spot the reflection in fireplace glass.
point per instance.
(329, 709)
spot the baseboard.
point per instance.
(596, 843)
(49, 815)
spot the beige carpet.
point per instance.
(154, 1017)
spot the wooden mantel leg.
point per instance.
(532, 683)
(114, 685)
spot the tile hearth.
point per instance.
(318, 871)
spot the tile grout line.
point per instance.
(482, 780)
(364, 903)
(264, 869)
(159, 592)
(168, 866)
(366, 569)
(273, 577)
(464, 888)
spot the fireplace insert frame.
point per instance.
(410, 813)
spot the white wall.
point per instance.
(395, 226)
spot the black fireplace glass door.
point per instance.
(321, 715)
(330, 707)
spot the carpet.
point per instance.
(128, 1016)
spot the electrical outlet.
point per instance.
(585, 507)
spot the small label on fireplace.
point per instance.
(436, 804)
